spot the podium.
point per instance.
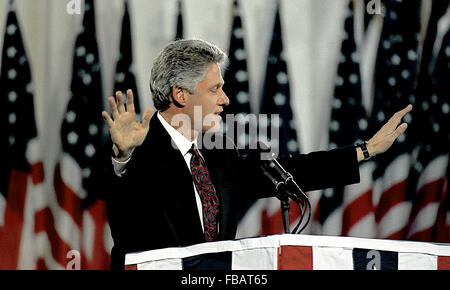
(296, 252)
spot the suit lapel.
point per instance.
(172, 164)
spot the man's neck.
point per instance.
(179, 125)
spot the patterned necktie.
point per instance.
(207, 192)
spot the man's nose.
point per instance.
(224, 100)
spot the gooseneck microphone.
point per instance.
(283, 181)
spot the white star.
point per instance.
(11, 52)
(334, 126)
(353, 78)
(380, 116)
(72, 138)
(12, 96)
(93, 129)
(71, 116)
(86, 172)
(29, 88)
(434, 98)
(90, 58)
(447, 51)
(328, 192)
(392, 81)
(81, 51)
(292, 145)
(238, 33)
(241, 76)
(239, 54)
(89, 150)
(412, 55)
(12, 140)
(405, 74)
(436, 127)
(279, 99)
(12, 74)
(120, 77)
(337, 104)
(396, 59)
(362, 123)
(12, 118)
(87, 79)
(242, 97)
(445, 108)
(11, 29)
(282, 78)
(425, 106)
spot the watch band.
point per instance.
(363, 146)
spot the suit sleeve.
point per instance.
(313, 171)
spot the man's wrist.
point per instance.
(121, 156)
(363, 152)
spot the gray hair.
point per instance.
(182, 63)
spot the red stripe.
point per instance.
(295, 258)
(44, 222)
(355, 211)
(429, 193)
(11, 232)
(398, 235)
(67, 199)
(442, 226)
(130, 267)
(443, 263)
(273, 224)
(41, 265)
(390, 198)
(37, 172)
(101, 259)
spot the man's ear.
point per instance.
(178, 96)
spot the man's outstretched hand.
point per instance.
(126, 131)
(386, 136)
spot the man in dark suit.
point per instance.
(164, 190)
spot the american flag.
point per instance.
(347, 210)
(264, 217)
(125, 74)
(22, 172)
(237, 86)
(430, 218)
(395, 83)
(81, 223)
(180, 25)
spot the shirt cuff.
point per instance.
(120, 167)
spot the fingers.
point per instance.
(130, 101)
(397, 117)
(400, 130)
(120, 103)
(146, 117)
(107, 119)
(113, 108)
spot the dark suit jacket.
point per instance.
(153, 204)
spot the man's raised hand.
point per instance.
(126, 131)
(384, 138)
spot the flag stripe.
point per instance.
(295, 258)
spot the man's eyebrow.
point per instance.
(221, 83)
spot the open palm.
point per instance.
(126, 131)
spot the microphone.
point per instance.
(285, 185)
(275, 172)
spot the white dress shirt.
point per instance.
(184, 145)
